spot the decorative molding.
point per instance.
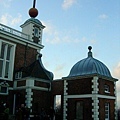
(95, 100)
(65, 100)
(115, 103)
(28, 97)
(90, 96)
(20, 40)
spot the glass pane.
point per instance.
(8, 52)
(36, 32)
(2, 50)
(107, 111)
(1, 67)
(3, 89)
(58, 103)
(6, 69)
(79, 110)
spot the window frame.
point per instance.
(18, 75)
(81, 117)
(57, 103)
(106, 88)
(4, 84)
(107, 111)
(36, 28)
(9, 61)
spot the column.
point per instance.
(95, 102)
(65, 100)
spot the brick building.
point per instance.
(87, 93)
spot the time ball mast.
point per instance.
(33, 12)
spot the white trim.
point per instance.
(28, 97)
(33, 78)
(35, 88)
(95, 95)
(11, 60)
(30, 83)
(95, 84)
(115, 103)
(90, 96)
(20, 40)
(65, 100)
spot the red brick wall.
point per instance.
(81, 86)
(87, 108)
(20, 97)
(21, 83)
(102, 83)
(42, 84)
(41, 99)
(102, 109)
(57, 87)
(20, 56)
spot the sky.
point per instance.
(72, 26)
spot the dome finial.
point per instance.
(89, 53)
(33, 12)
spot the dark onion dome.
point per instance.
(89, 66)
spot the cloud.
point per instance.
(5, 3)
(103, 16)
(60, 67)
(54, 36)
(49, 29)
(116, 73)
(59, 70)
(68, 3)
(7, 19)
(84, 39)
(116, 70)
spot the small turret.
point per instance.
(33, 27)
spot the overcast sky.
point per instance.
(71, 26)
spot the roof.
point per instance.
(34, 21)
(37, 70)
(89, 66)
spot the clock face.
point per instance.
(36, 32)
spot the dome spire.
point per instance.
(89, 53)
(33, 12)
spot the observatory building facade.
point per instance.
(87, 93)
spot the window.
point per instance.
(107, 110)
(7, 51)
(18, 75)
(36, 32)
(57, 104)
(107, 89)
(4, 88)
(79, 110)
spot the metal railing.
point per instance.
(13, 31)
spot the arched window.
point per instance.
(4, 88)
